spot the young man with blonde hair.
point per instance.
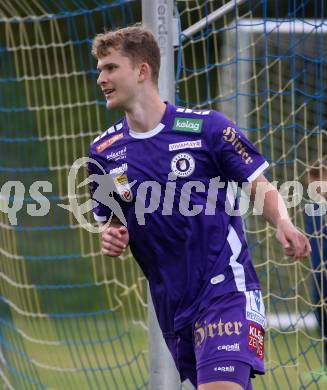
(171, 167)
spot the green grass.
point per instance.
(99, 353)
(106, 352)
(290, 361)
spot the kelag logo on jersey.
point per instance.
(182, 164)
(188, 124)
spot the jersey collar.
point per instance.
(147, 134)
(157, 129)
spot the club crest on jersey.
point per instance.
(182, 164)
(123, 188)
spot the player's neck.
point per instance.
(146, 113)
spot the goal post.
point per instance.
(158, 16)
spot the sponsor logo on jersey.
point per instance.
(120, 155)
(188, 124)
(185, 145)
(182, 164)
(255, 309)
(225, 368)
(119, 170)
(229, 347)
(203, 330)
(100, 148)
(256, 340)
(233, 137)
(123, 188)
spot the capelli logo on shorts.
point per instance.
(229, 348)
(225, 368)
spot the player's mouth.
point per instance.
(108, 92)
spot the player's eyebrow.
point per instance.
(110, 65)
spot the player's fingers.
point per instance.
(112, 250)
(290, 251)
(123, 230)
(111, 253)
(306, 248)
(118, 244)
(283, 240)
(106, 252)
(111, 232)
(114, 231)
(299, 245)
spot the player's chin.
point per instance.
(112, 104)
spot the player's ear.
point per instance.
(144, 71)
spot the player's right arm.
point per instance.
(114, 239)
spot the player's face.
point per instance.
(118, 79)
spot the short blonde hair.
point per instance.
(135, 42)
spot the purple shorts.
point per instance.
(225, 343)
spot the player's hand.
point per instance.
(294, 242)
(114, 240)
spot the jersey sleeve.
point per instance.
(237, 159)
(101, 213)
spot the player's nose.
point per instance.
(101, 79)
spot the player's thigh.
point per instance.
(220, 386)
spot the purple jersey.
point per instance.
(188, 247)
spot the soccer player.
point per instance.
(172, 167)
(317, 228)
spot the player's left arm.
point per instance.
(294, 242)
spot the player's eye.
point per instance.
(111, 67)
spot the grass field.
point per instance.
(106, 353)
(291, 362)
(99, 353)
